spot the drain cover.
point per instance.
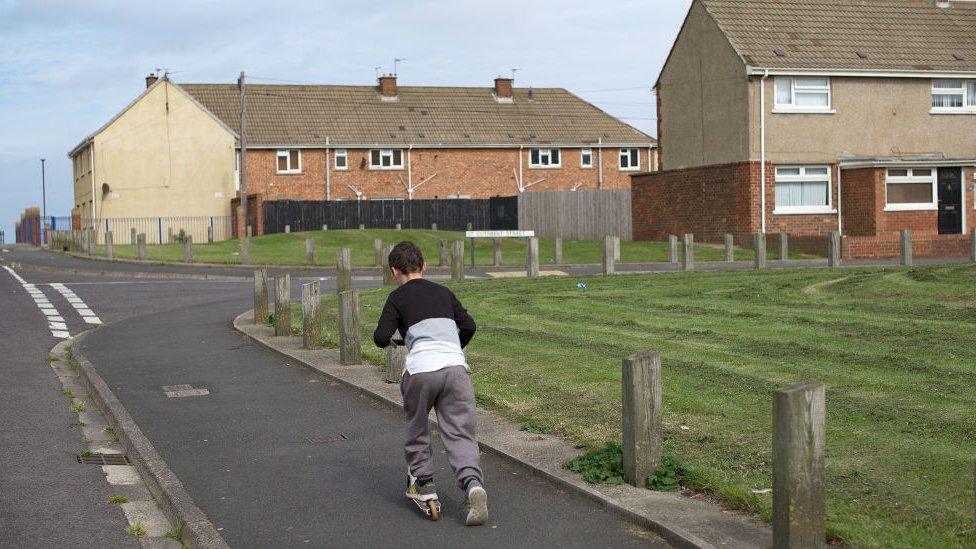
(326, 439)
(104, 459)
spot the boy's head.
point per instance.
(406, 260)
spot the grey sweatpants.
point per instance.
(449, 392)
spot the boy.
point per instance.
(435, 328)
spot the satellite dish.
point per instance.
(105, 188)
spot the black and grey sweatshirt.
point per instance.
(434, 324)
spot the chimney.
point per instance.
(387, 87)
(151, 79)
(503, 88)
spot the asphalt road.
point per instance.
(242, 451)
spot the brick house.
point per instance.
(393, 142)
(806, 117)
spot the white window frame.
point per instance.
(340, 153)
(804, 177)
(586, 152)
(966, 90)
(626, 153)
(287, 154)
(545, 159)
(933, 178)
(792, 107)
(385, 153)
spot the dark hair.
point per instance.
(406, 257)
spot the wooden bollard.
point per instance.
(109, 245)
(169, 235)
(532, 260)
(972, 246)
(496, 254)
(457, 260)
(616, 248)
(343, 270)
(672, 249)
(141, 246)
(641, 419)
(688, 252)
(396, 359)
(906, 247)
(729, 248)
(378, 252)
(784, 247)
(132, 236)
(210, 235)
(388, 279)
(799, 508)
(557, 255)
(310, 251)
(282, 302)
(350, 346)
(246, 251)
(759, 248)
(433, 226)
(608, 263)
(833, 249)
(442, 253)
(188, 249)
(260, 296)
(311, 315)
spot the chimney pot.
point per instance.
(503, 88)
(151, 79)
(387, 86)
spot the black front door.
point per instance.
(950, 200)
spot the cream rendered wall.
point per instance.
(165, 156)
(875, 117)
(703, 93)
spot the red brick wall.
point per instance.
(861, 202)
(888, 247)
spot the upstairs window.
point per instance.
(544, 158)
(910, 189)
(586, 158)
(289, 161)
(802, 189)
(341, 159)
(802, 94)
(386, 159)
(954, 96)
(629, 159)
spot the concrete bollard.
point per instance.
(906, 247)
(469, 226)
(210, 235)
(399, 227)
(609, 267)
(261, 296)
(433, 226)
(457, 260)
(972, 246)
(616, 248)
(362, 227)
(496, 255)
(188, 249)
(310, 251)
(109, 245)
(282, 304)
(799, 508)
(169, 235)
(378, 252)
(246, 251)
(343, 270)
(311, 315)
(532, 262)
(396, 359)
(141, 246)
(558, 251)
(250, 231)
(672, 249)
(132, 236)
(641, 419)
(325, 227)
(442, 254)
(350, 346)
(759, 250)
(688, 252)
(729, 251)
(388, 279)
(784, 247)
(833, 249)
(287, 229)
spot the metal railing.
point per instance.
(160, 230)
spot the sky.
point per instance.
(67, 67)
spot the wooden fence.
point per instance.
(576, 215)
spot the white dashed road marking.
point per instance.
(86, 314)
(54, 320)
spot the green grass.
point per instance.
(289, 249)
(894, 346)
(137, 530)
(118, 500)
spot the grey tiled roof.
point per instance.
(355, 115)
(909, 35)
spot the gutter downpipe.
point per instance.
(409, 174)
(91, 158)
(599, 173)
(762, 149)
(328, 171)
(520, 189)
(840, 181)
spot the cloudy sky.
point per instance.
(66, 67)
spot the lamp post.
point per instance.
(43, 206)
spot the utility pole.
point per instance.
(242, 163)
(44, 204)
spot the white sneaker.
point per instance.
(477, 505)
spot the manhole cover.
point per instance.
(326, 439)
(104, 459)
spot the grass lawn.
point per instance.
(289, 249)
(896, 348)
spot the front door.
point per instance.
(950, 200)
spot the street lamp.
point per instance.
(43, 205)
